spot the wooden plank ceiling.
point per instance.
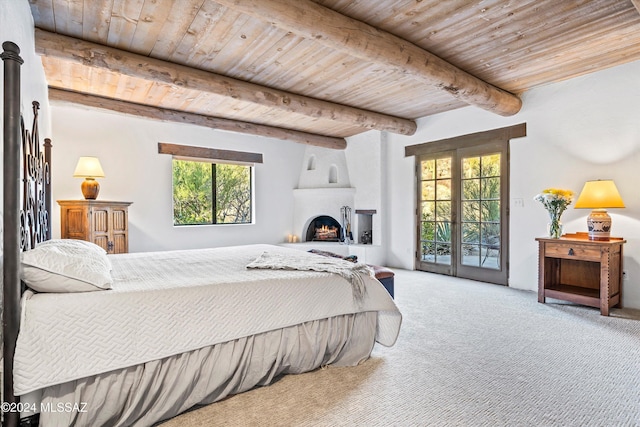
(317, 72)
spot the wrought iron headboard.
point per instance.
(26, 207)
(35, 224)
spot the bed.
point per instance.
(163, 331)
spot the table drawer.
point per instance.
(569, 251)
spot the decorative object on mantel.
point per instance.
(555, 201)
(346, 225)
(599, 195)
(90, 169)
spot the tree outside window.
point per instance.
(211, 193)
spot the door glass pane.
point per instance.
(428, 211)
(429, 169)
(471, 167)
(443, 189)
(490, 165)
(428, 231)
(443, 253)
(490, 210)
(491, 188)
(428, 190)
(471, 255)
(470, 211)
(443, 232)
(471, 189)
(428, 252)
(470, 233)
(444, 211)
(490, 234)
(443, 167)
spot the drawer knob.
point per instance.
(571, 251)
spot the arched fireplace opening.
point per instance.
(324, 229)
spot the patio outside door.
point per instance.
(462, 213)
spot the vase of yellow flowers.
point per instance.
(555, 201)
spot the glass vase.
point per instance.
(554, 229)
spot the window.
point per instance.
(211, 193)
(210, 185)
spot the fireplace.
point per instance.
(324, 229)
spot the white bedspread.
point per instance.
(166, 303)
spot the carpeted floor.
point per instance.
(469, 354)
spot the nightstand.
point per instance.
(574, 268)
(102, 222)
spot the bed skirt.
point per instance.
(146, 394)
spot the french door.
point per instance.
(463, 212)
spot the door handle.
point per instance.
(110, 246)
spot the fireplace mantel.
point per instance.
(368, 254)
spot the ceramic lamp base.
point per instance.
(90, 189)
(599, 224)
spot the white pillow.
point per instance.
(80, 244)
(74, 242)
(66, 266)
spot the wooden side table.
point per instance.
(102, 222)
(574, 268)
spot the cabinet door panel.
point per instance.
(119, 244)
(102, 241)
(74, 224)
(100, 220)
(76, 221)
(119, 220)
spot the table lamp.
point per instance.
(90, 169)
(599, 195)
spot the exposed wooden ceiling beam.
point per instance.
(95, 55)
(196, 119)
(360, 40)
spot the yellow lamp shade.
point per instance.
(600, 194)
(88, 167)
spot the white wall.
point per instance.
(16, 25)
(577, 130)
(364, 157)
(128, 151)
(317, 166)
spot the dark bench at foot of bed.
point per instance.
(383, 274)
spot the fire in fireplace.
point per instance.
(324, 229)
(326, 232)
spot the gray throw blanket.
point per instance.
(351, 271)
